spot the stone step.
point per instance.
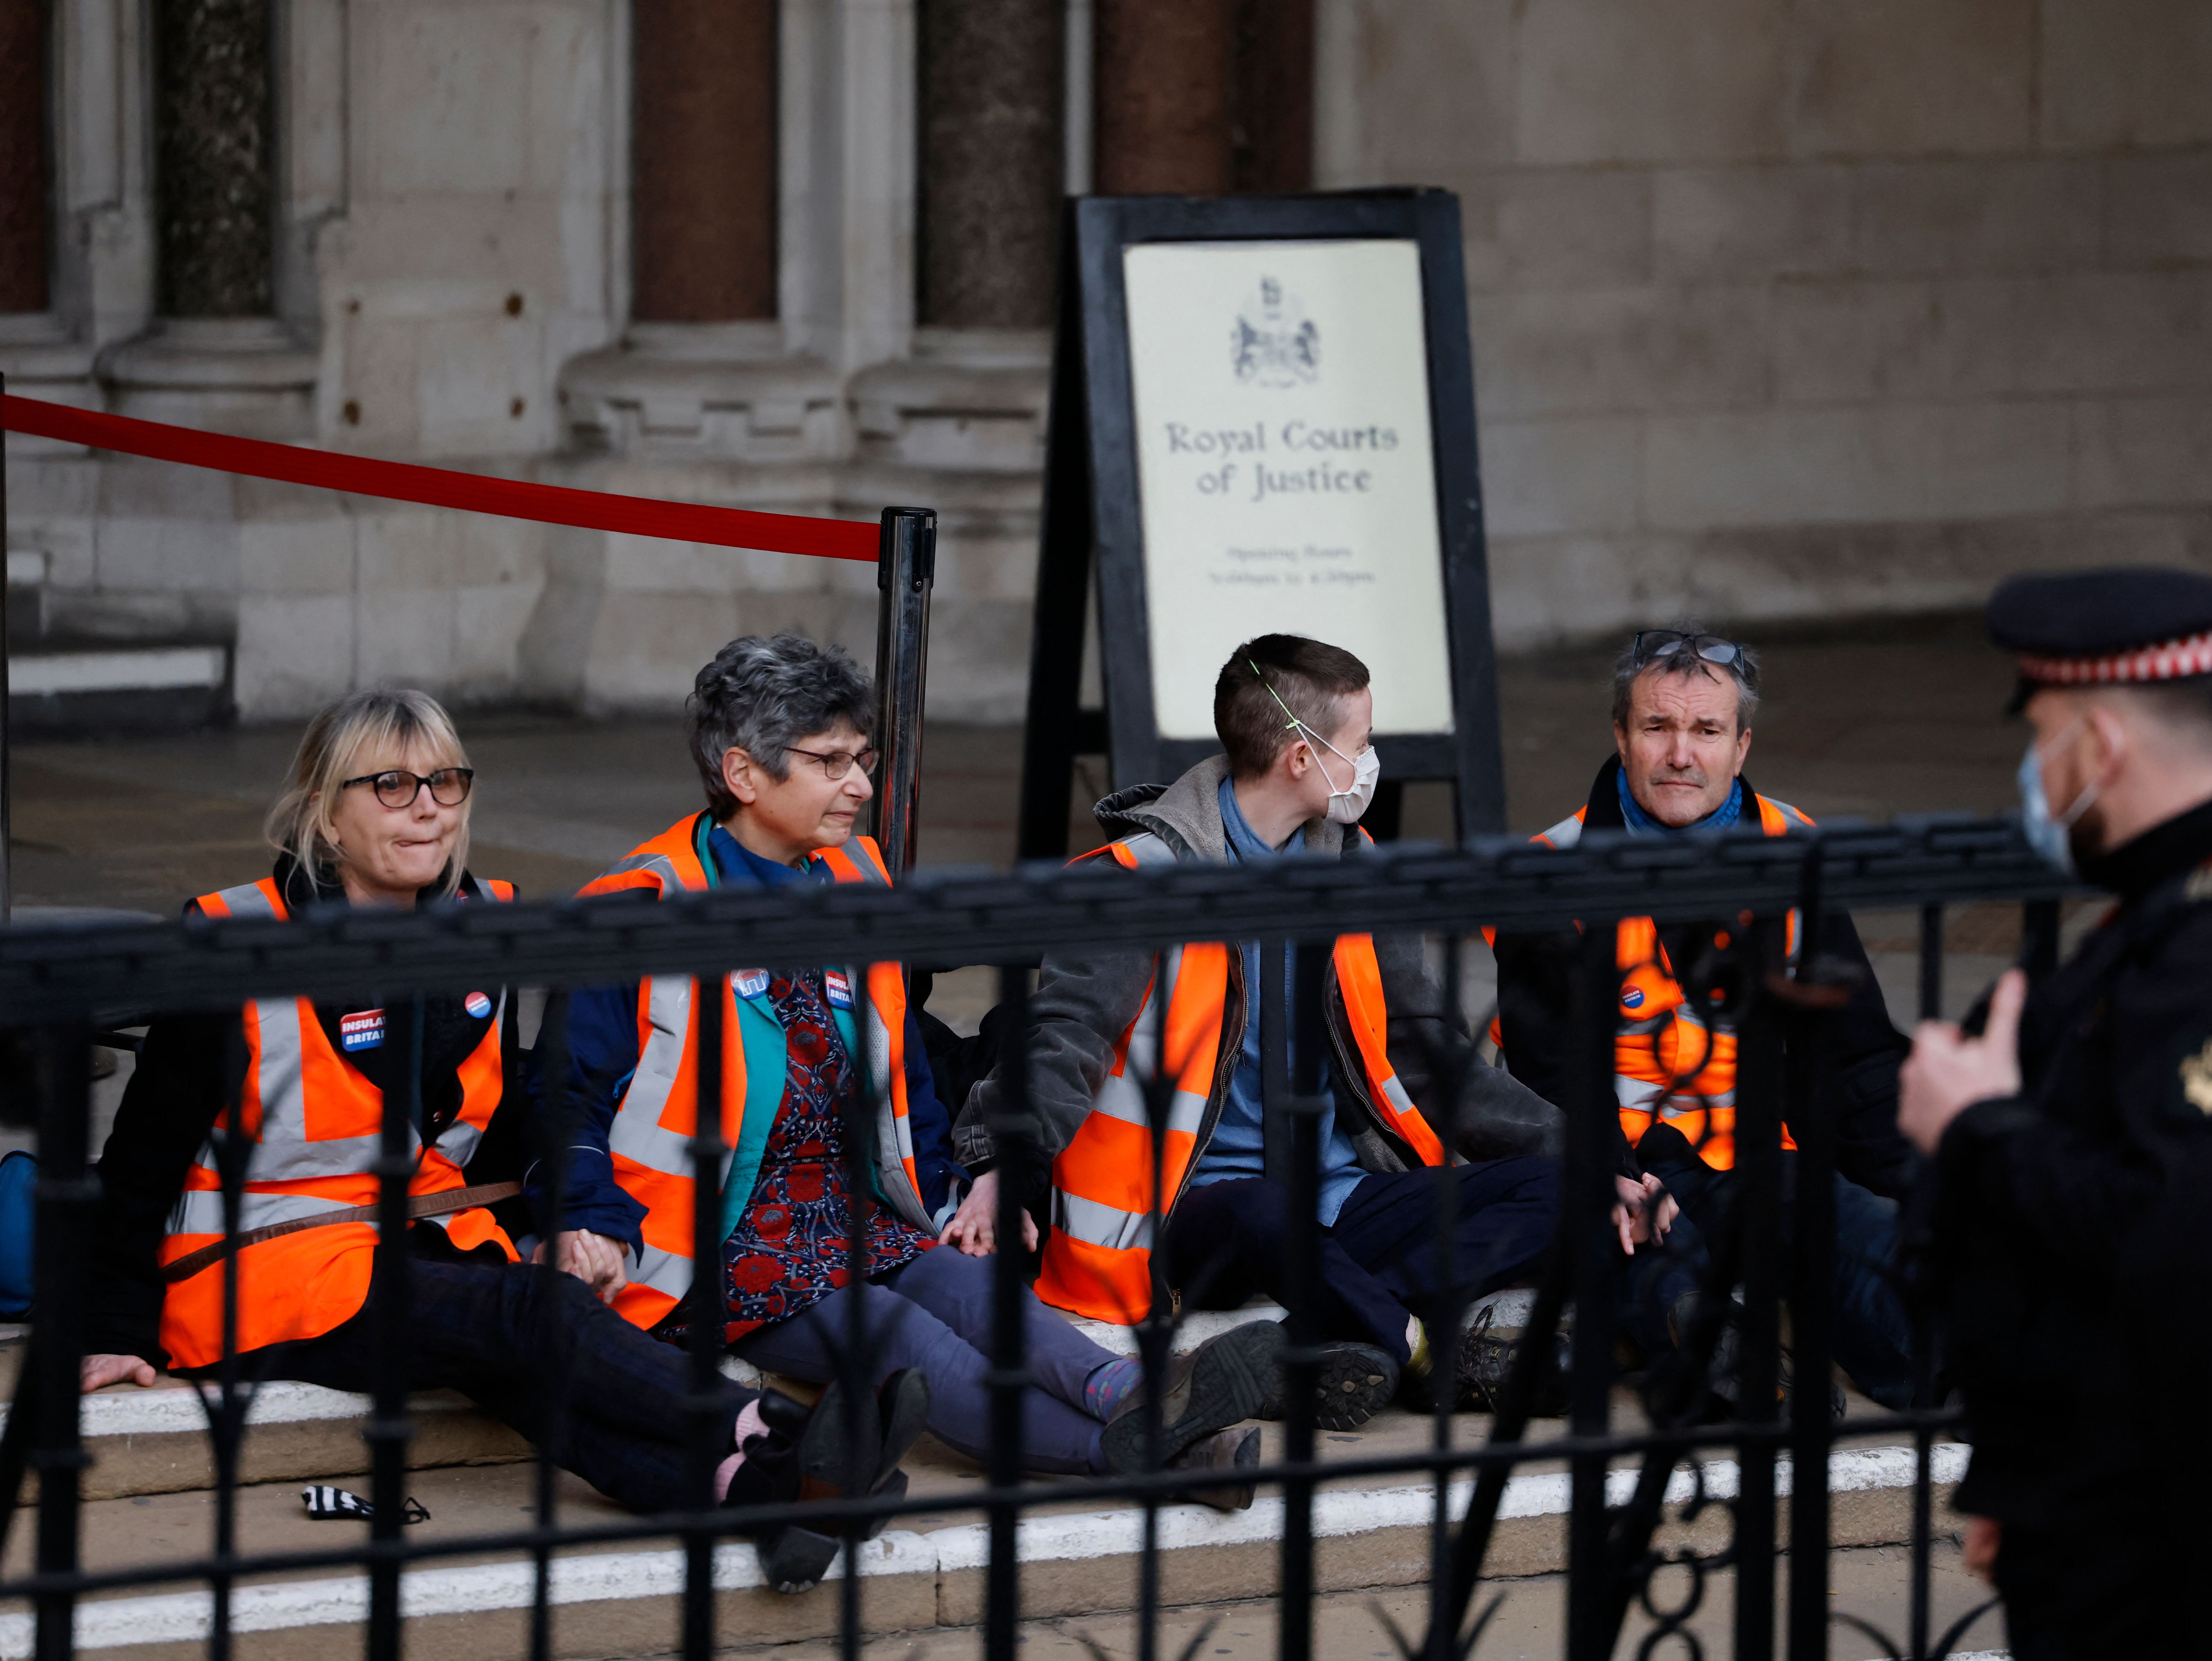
(146, 1441)
(77, 688)
(923, 1576)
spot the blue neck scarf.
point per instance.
(1641, 824)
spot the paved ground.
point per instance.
(1868, 1584)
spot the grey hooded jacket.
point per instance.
(1083, 1004)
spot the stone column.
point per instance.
(1273, 98)
(24, 209)
(1160, 77)
(1202, 97)
(704, 191)
(992, 161)
(214, 158)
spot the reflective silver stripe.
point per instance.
(1149, 849)
(1565, 834)
(894, 1131)
(1395, 1093)
(199, 1210)
(659, 864)
(637, 1134)
(666, 1272)
(1101, 1224)
(250, 900)
(1789, 812)
(283, 1152)
(1643, 1096)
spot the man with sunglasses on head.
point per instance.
(1297, 769)
(1683, 702)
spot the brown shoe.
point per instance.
(1232, 1449)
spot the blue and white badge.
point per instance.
(362, 1029)
(477, 1004)
(749, 982)
(838, 985)
(1631, 997)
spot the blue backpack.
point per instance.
(19, 1184)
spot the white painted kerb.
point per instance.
(152, 670)
(185, 1617)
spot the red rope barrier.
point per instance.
(440, 487)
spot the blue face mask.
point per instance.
(2050, 836)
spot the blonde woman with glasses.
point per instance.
(375, 815)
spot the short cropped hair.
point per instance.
(330, 751)
(762, 696)
(1627, 670)
(1312, 681)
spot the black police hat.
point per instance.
(2130, 625)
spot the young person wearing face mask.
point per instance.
(2070, 1125)
(1297, 768)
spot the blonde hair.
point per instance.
(300, 822)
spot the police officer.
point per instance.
(2072, 1137)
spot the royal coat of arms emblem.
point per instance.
(1275, 343)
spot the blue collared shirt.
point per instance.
(1238, 1147)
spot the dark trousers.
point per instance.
(521, 1343)
(1378, 1264)
(2101, 1593)
(1873, 1333)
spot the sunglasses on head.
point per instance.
(1653, 644)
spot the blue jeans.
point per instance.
(934, 1313)
(1873, 1334)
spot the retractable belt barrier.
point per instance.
(440, 487)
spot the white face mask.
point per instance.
(1345, 807)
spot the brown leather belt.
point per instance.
(442, 1204)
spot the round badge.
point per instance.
(1631, 997)
(477, 1005)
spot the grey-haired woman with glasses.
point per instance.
(781, 731)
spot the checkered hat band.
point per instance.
(2177, 660)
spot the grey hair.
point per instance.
(393, 721)
(762, 696)
(1627, 670)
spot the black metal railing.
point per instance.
(1767, 989)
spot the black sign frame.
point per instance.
(1093, 523)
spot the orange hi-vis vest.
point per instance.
(650, 1139)
(317, 1126)
(1097, 1261)
(1670, 1060)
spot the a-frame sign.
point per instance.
(1263, 419)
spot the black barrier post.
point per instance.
(388, 1429)
(1010, 1152)
(906, 566)
(1812, 1312)
(1587, 1202)
(708, 1315)
(1760, 1083)
(66, 1194)
(1306, 1036)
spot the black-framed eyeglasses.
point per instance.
(838, 762)
(397, 787)
(1652, 644)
